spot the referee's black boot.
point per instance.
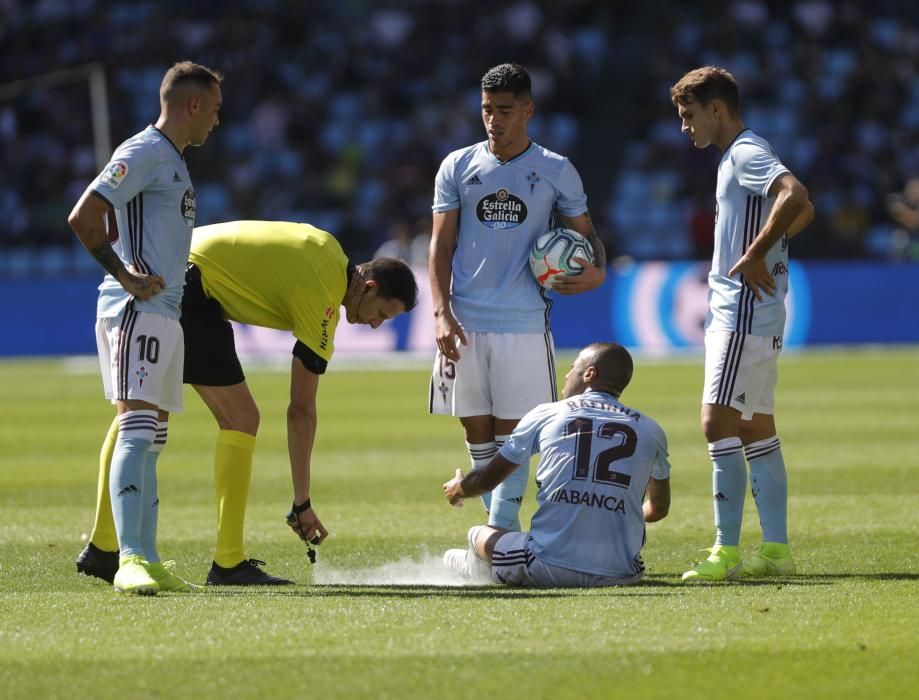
(246, 573)
(93, 561)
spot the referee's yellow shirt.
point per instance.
(275, 274)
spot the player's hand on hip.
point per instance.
(755, 276)
(448, 333)
(308, 527)
(453, 489)
(590, 278)
(139, 285)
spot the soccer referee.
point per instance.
(281, 275)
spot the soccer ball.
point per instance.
(553, 254)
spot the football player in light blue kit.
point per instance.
(136, 219)
(760, 205)
(598, 460)
(495, 355)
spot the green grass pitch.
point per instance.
(847, 626)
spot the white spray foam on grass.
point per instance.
(427, 571)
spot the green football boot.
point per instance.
(132, 577)
(771, 559)
(722, 564)
(168, 581)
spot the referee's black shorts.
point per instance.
(210, 351)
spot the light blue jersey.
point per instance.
(596, 459)
(503, 208)
(148, 185)
(746, 172)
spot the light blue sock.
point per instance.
(729, 487)
(136, 430)
(508, 495)
(769, 483)
(480, 454)
(151, 496)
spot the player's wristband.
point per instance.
(297, 509)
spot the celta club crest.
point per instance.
(142, 374)
(532, 178)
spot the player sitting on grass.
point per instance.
(598, 459)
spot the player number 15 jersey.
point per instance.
(504, 206)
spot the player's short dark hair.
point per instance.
(613, 364)
(508, 77)
(394, 279)
(704, 85)
(187, 73)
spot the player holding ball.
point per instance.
(495, 355)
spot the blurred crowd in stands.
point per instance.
(338, 112)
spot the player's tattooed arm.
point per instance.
(86, 220)
(139, 285)
(595, 242)
(593, 275)
(106, 256)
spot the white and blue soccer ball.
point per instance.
(553, 254)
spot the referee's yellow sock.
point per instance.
(232, 471)
(104, 536)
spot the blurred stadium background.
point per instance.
(338, 114)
